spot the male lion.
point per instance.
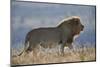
(63, 35)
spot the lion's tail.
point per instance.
(25, 47)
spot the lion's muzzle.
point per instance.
(82, 28)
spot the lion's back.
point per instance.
(45, 35)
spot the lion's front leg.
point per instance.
(70, 46)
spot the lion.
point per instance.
(62, 35)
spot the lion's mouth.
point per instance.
(82, 28)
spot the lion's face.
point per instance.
(77, 26)
(73, 24)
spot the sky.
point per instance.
(26, 16)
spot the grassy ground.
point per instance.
(51, 56)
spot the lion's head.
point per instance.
(73, 23)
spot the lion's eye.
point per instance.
(76, 22)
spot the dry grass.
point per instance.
(51, 56)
